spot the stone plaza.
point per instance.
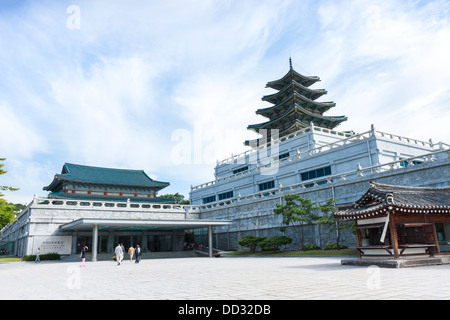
(225, 278)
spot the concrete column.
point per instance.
(94, 242)
(210, 242)
(110, 245)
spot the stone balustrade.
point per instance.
(351, 175)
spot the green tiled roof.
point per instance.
(100, 175)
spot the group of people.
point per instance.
(120, 252)
(193, 246)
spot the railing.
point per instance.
(359, 172)
(115, 205)
(429, 144)
(241, 156)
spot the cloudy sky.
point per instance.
(170, 86)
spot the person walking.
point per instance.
(123, 252)
(138, 253)
(83, 256)
(38, 252)
(119, 254)
(131, 252)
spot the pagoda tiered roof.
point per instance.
(302, 116)
(295, 106)
(289, 77)
(295, 99)
(309, 93)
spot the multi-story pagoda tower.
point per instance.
(294, 106)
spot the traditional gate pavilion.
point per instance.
(397, 222)
(100, 207)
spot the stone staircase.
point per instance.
(145, 255)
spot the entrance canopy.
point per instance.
(96, 224)
(139, 224)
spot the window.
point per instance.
(209, 199)
(316, 173)
(284, 155)
(240, 170)
(266, 185)
(405, 163)
(225, 195)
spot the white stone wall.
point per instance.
(254, 215)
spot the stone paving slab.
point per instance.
(283, 278)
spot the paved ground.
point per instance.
(220, 279)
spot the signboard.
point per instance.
(53, 244)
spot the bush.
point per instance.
(251, 242)
(310, 246)
(47, 256)
(333, 246)
(274, 243)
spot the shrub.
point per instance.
(274, 243)
(251, 242)
(311, 246)
(333, 246)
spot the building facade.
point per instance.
(300, 151)
(314, 160)
(101, 207)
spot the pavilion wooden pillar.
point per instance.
(393, 234)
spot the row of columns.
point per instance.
(95, 242)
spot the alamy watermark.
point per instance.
(202, 147)
(374, 279)
(74, 19)
(74, 280)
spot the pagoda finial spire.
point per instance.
(290, 63)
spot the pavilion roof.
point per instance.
(100, 175)
(381, 197)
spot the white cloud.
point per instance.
(18, 138)
(388, 65)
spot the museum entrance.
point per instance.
(151, 235)
(128, 241)
(87, 241)
(160, 243)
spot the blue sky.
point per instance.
(123, 84)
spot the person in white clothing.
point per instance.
(38, 252)
(119, 254)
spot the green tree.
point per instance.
(250, 242)
(296, 212)
(336, 225)
(178, 198)
(7, 210)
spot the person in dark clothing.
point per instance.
(138, 252)
(83, 256)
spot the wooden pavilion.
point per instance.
(397, 222)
